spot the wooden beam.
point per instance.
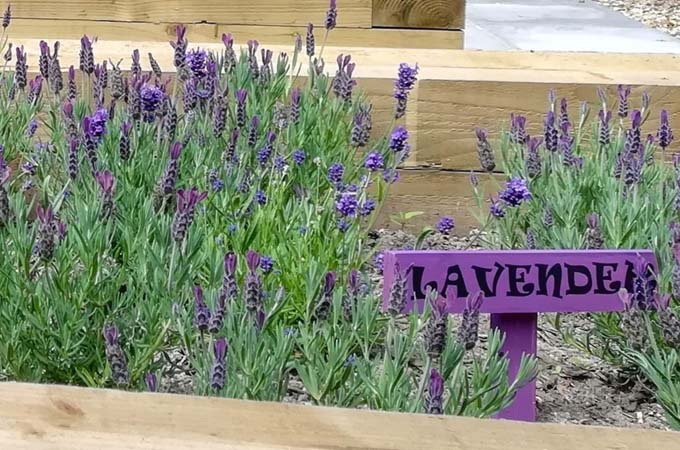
(202, 32)
(436, 193)
(37, 417)
(434, 14)
(352, 13)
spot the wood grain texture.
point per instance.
(449, 111)
(441, 14)
(352, 13)
(41, 417)
(435, 193)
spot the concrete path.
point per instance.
(559, 25)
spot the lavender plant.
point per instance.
(622, 194)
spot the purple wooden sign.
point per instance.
(517, 285)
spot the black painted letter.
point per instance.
(483, 282)
(515, 277)
(603, 272)
(544, 275)
(575, 289)
(458, 282)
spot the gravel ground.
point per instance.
(661, 14)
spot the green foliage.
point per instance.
(630, 193)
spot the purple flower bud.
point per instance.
(218, 372)
(151, 382)
(241, 98)
(398, 292)
(516, 192)
(434, 400)
(331, 15)
(399, 140)
(468, 330)
(564, 124)
(310, 40)
(115, 356)
(445, 225)
(518, 134)
(106, 182)
(325, 302)
(299, 156)
(374, 162)
(184, 215)
(347, 205)
(7, 17)
(484, 151)
(295, 105)
(623, 93)
(335, 173)
(403, 85)
(496, 209)
(665, 133)
(550, 133)
(201, 311)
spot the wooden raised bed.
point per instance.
(374, 23)
(36, 417)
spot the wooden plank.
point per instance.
(449, 111)
(266, 35)
(436, 193)
(352, 13)
(37, 417)
(419, 13)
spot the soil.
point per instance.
(572, 386)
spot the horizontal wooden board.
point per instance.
(352, 13)
(449, 112)
(433, 14)
(435, 193)
(41, 417)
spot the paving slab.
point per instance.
(559, 25)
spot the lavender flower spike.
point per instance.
(241, 98)
(108, 186)
(468, 331)
(398, 291)
(550, 133)
(594, 237)
(332, 15)
(665, 133)
(405, 82)
(484, 151)
(253, 295)
(434, 401)
(624, 93)
(201, 311)
(187, 200)
(218, 373)
(310, 40)
(325, 302)
(7, 17)
(151, 382)
(437, 324)
(115, 356)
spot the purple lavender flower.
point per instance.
(72, 89)
(399, 140)
(107, 183)
(604, 137)
(343, 225)
(325, 302)
(202, 312)
(445, 225)
(518, 134)
(135, 67)
(218, 373)
(550, 133)
(564, 124)
(97, 124)
(633, 143)
(594, 237)
(151, 97)
(180, 46)
(335, 173)
(151, 382)
(261, 198)
(299, 156)
(516, 192)
(7, 17)
(434, 400)
(644, 285)
(197, 61)
(266, 264)
(533, 161)
(405, 82)
(32, 128)
(367, 207)
(46, 233)
(252, 133)
(43, 60)
(347, 205)
(190, 94)
(35, 88)
(496, 209)
(374, 162)
(184, 216)
(665, 133)
(331, 15)
(468, 330)
(124, 144)
(624, 93)
(436, 330)
(361, 128)
(390, 175)
(295, 105)
(484, 151)
(342, 83)
(166, 185)
(398, 292)
(474, 180)
(72, 168)
(21, 69)
(115, 356)
(310, 40)
(86, 56)
(379, 262)
(253, 297)
(241, 99)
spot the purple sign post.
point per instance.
(517, 285)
